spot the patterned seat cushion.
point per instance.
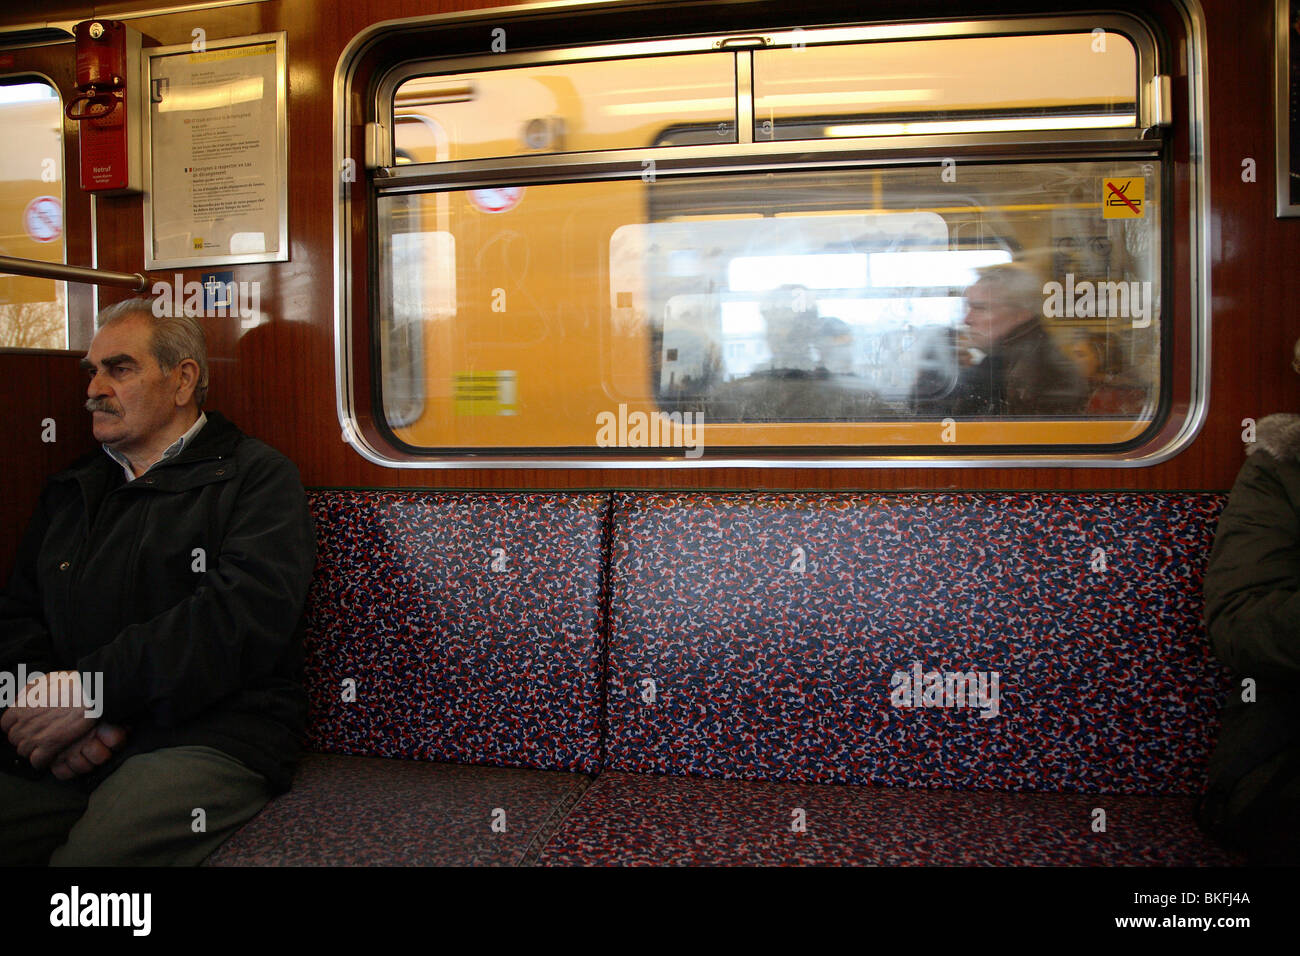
(645, 819)
(369, 811)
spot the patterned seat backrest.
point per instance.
(1028, 641)
(458, 627)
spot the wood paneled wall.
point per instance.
(278, 381)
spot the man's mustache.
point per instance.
(101, 405)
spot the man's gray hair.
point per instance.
(1019, 286)
(173, 338)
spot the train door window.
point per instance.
(33, 312)
(823, 246)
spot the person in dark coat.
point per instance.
(1008, 363)
(150, 660)
(1252, 610)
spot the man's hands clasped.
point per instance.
(61, 738)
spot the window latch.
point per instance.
(376, 143)
(1159, 101)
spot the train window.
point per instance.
(33, 312)
(572, 107)
(794, 299)
(1079, 80)
(810, 244)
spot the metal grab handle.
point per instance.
(56, 270)
(100, 104)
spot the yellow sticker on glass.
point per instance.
(1123, 198)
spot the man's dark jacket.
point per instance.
(1252, 609)
(1025, 374)
(184, 587)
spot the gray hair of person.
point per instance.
(173, 338)
(1018, 286)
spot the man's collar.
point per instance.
(1025, 328)
(174, 449)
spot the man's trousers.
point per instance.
(170, 807)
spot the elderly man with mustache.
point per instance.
(171, 569)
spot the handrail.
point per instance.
(57, 270)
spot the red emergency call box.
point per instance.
(106, 106)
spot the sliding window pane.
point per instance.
(568, 107)
(829, 308)
(955, 86)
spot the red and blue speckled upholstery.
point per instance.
(451, 659)
(368, 811)
(464, 628)
(643, 819)
(763, 672)
(768, 627)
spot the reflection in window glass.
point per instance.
(830, 300)
(33, 312)
(1057, 81)
(568, 107)
(820, 313)
(420, 283)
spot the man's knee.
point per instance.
(35, 817)
(1262, 817)
(171, 807)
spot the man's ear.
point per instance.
(189, 380)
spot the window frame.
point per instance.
(52, 63)
(376, 442)
(41, 79)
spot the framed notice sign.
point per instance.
(1287, 105)
(216, 169)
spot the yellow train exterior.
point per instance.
(525, 316)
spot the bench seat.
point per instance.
(663, 678)
(648, 819)
(374, 811)
(369, 811)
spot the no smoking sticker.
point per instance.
(1123, 198)
(43, 219)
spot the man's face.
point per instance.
(131, 398)
(989, 316)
